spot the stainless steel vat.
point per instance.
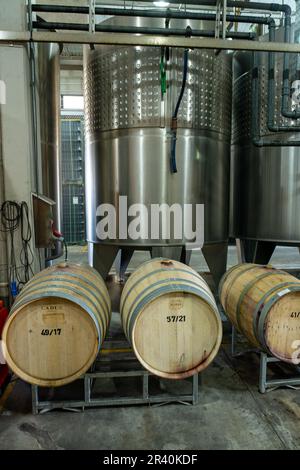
(128, 142)
(265, 181)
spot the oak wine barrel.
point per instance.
(57, 325)
(263, 303)
(171, 319)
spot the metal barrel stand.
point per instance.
(116, 360)
(264, 359)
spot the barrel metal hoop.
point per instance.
(78, 302)
(65, 279)
(59, 272)
(232, 281)
(50, 284)
(243, 294)
(261, 303)
(184, 288)
(64, 296)
(141, 279)
(265, 310)
(159, 283)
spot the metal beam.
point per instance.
(171, 41)
(14, 37)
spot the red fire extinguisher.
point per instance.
(3, 367)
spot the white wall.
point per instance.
(16, 112)
(71, 82)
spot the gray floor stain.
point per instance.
(42, 437)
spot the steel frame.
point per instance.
(264, 383)
(106, 367)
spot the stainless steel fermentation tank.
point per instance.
(128, 142)
(265, 189)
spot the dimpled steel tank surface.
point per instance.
(128, 142)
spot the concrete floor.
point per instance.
(231, 413)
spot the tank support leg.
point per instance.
(246, 250)
(122, 261)
(216, 257)
(255, 251)
(186, 256)
(101, 257)
(264, 252)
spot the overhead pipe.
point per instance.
(286, 76)
(82, 9)
(274, 7)
(286, 9)
(257, 140)
(136, 30)
(161, 13)
(271, 92)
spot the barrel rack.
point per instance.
(115, 361)
(265, 384)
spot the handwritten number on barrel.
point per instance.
(54, 332)
(175, 318)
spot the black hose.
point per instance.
(174, 116)
(185, 69)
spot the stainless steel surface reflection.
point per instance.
(128, 134)
(128, 141)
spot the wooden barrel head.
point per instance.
(176, 335)
(50, 341)
(282, 328)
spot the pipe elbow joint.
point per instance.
(286, 10)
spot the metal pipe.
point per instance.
(286, 9)
(230, 3)
(135, 30)
(175, 2)
(286, 77)
(162, 13)
(271, 91)
(259, 6)
(257, 140)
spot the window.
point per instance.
(72, 102)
